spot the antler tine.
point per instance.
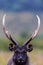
(6, 31)
(34, 33)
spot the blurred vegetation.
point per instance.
(23, 35)
(4, 43)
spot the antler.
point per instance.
(6, 31)
(34, 33)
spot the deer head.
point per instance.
(20, 52)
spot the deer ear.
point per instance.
(11, 47)
(30, 48)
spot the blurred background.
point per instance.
(21, 22)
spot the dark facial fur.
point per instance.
(20, 54)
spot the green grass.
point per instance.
(4, 43)
(38, 43)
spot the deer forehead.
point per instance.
(20, 49)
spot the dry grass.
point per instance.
(36, 57)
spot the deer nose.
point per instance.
(20, 59)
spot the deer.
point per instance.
(20, 56)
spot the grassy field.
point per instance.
(36, 57)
